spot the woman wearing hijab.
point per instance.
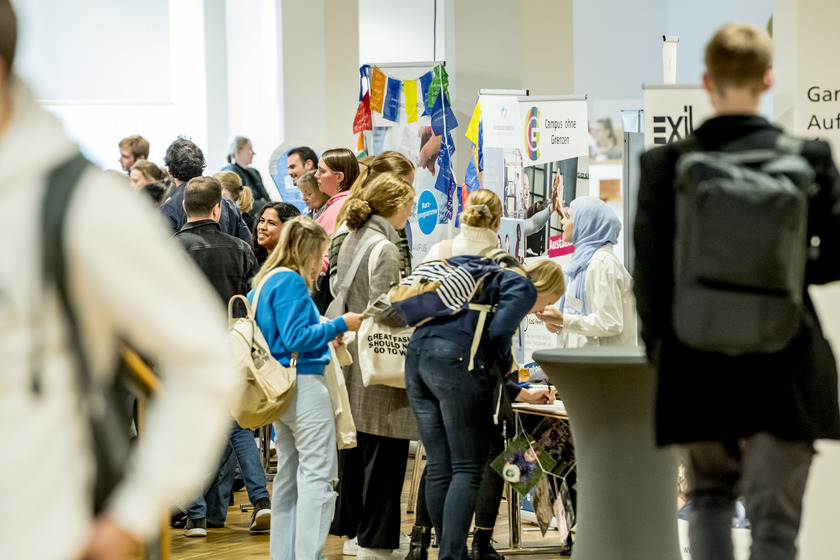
(599, 308)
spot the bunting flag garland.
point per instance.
(382, 94)
(377, 90)
(391, 107)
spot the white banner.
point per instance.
(672, 112)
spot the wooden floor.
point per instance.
(235, 540)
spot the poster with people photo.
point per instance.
(522, 463)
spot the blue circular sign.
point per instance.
(427, 212)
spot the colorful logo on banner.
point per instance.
(532, 133)
(427, 212)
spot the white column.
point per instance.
(498, 44)
(806, 45)
(319, 45)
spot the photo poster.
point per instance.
(407, 109)
(536, 158)
(672, 112)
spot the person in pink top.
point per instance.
(337, 170)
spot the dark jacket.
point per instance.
(231, 221)
(514, 295)
(227, 262)
(705, 396)
(250, 178)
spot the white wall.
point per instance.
(618, 45)
(175, 76)
(398, 31)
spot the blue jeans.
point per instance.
(770, 473)
(303, 501)
(453, 410)
(241, 448)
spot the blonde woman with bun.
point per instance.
(371, 476)
(303, 498)
(480, 222)
(387, 162)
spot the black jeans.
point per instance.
(371, 478)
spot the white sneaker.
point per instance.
(351, 546)
(402, 551)
(377, 554)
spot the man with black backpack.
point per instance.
(732, 226)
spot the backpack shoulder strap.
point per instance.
(61, 184)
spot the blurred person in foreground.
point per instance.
(745, 423)
(125, 280)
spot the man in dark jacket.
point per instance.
(747, 423)
(229, 264)
(184, 161)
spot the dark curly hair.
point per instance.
(184, 160)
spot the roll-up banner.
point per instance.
(534, 152)
(672, 112)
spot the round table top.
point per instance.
(593, 355)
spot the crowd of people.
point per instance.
(238, 238)
(131, 279)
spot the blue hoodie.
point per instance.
(290, 322)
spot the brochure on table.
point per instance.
(532, 152)
(406, 108)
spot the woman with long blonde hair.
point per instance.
(307, 466)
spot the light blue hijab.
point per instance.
(594, 225)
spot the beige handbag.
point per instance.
(266, 387)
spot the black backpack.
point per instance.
(741, 247)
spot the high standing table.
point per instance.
(627, 487)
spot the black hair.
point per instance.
(285, 211)
(155, 191)
(184, 160)
(305, 153)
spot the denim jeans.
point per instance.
(304, 494)
(453, 410)
(240, 448)
(769, 472)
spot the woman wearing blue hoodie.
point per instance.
(307, 468)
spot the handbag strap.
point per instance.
(252, 310)
(357, 261)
